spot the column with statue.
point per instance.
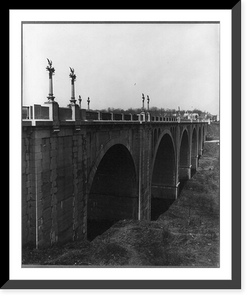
(148, 109)
(51, 71)
(75, 107)
(73, 78)
(53, 105)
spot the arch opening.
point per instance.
(163, 185)
(113, 194)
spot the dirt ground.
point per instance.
(187, 234)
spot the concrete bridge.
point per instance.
(80, 166)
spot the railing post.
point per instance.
(30, 112)
(148, 117)
(53, 110)
(143, 117)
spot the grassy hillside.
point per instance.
(213, 131)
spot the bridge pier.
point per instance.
(162, 197)
(185, 172)
(195, 161)
(165, 192)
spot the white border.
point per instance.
(16, 272)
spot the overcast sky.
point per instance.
(175, 64)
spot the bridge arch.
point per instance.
(102, 152)
(113, 191)
(163, 175)
(184, 156)
(164, 149)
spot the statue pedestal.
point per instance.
(53, 110)
(75, 111)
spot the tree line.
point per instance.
(155, 111)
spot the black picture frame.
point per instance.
(235, 282)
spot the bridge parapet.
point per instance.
(51, 111)
(50, 114)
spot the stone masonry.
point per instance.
(60, 156)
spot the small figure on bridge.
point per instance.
(49, 63)
(50, 68)
(72, 75)
(80, 100)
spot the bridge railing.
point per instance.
(27, 112)
(52, 112)
(35, 112)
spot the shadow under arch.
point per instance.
(163, 178)
(112, 194)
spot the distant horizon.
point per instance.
(150, 109)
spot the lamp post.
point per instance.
(143, 101)
(51, 71)
(148, 102)
(80, 101)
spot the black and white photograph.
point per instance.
(125, 153)
(120, 144)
